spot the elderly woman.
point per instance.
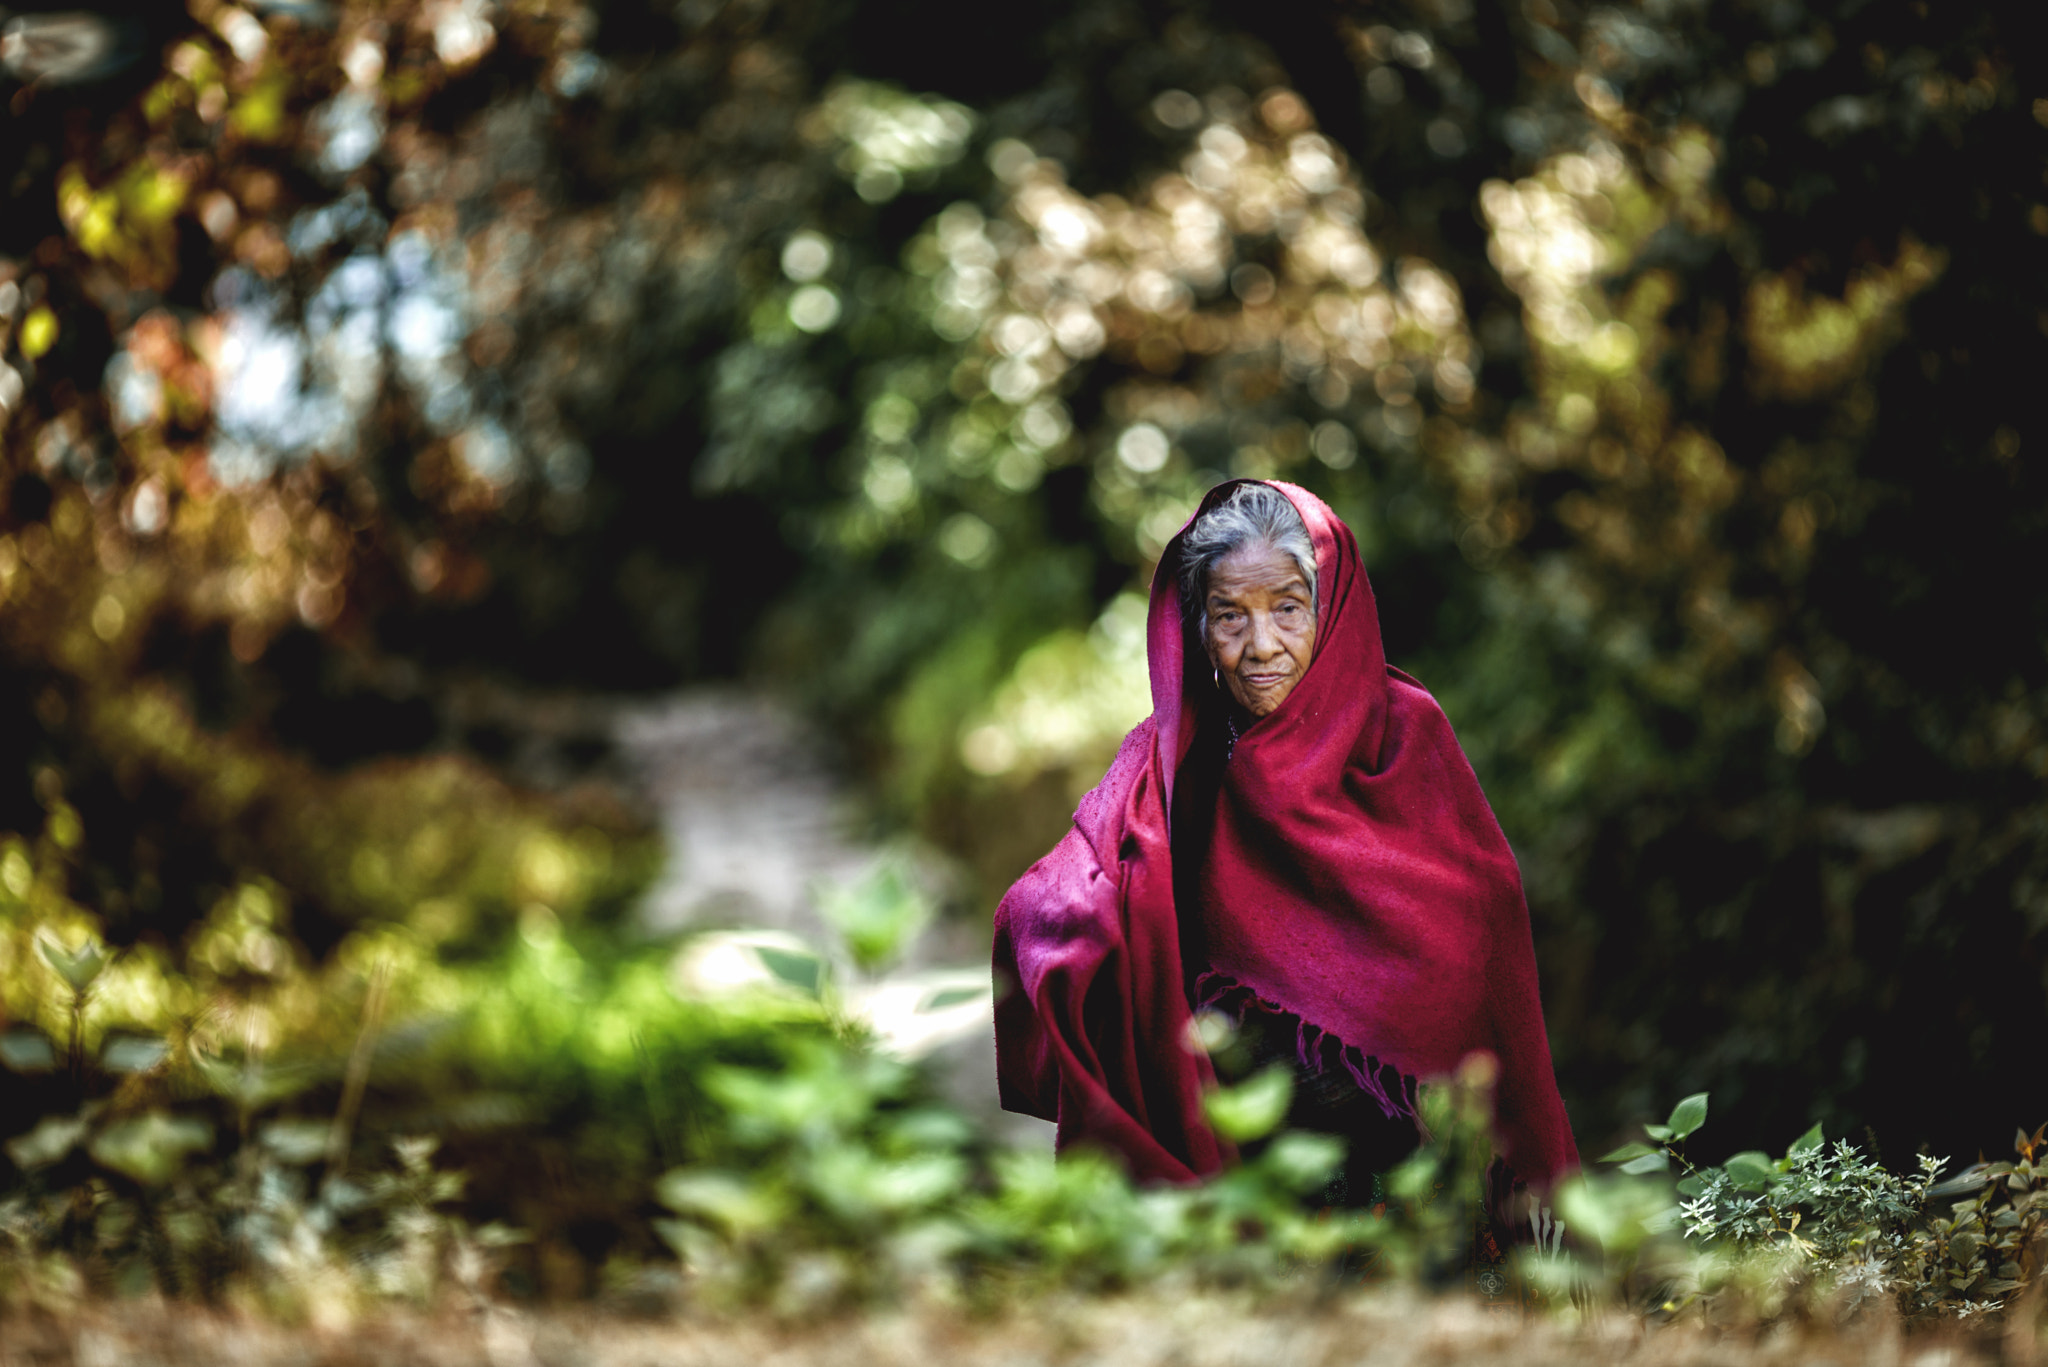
(1293, 837)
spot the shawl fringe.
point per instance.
(1318, 1049)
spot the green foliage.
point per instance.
(1990, 1244)
(832, 1182)
(151, 1147)
(79, 967)
(1822, 1221)
(1254, 1107)
(256, 1225)
(879, 916)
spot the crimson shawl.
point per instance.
(1356, 878)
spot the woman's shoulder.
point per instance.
(1100, 815)
(1412, 706)
(1066, 888)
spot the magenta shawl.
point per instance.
(1356, 878)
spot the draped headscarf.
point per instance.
(1355, 878)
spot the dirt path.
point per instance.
(756, 823)
(1386, 1329)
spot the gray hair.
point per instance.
(1253, 515)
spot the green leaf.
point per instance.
(38, 332)
(1751, 1170)
(1807, 1142)
(1660, 1133)
(879, 916)
(697, 1247)
(151, 1147)
(1692, 1184)
(1302, 1162)
(1253, 1108)
(79, 967)
(1649, 1162)
(1611, 1211)
(27, 1051)
(132, 1053)
(49, 1141)
(859, 1185)
(723, 1198)
(1688, 1115)
(1628, 1151)
(251, 1082)
(804, 972)
(297, 1142)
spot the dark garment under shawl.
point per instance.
(1327, 1098)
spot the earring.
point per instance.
(1216, 677)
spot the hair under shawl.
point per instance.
(1356, 878)
(1254, 515)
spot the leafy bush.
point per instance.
(799, 1167)
(231, 1119)
(834, 1183)
(1821, 1222)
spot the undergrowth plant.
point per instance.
(230, 1121)
(831, 1183)
(1821, 1222)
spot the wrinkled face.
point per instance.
(1261, 630)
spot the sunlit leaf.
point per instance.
(52, 1138)
(152, 1147)
(1302, 1162)
(252, 1082)
(1688, 1115)
(729, 1199)
(132, 1053)
(1610, 1211)
(1254, 1107)
(1751, 1171)
(38, 332)
(27, 1051)
(80, 967)
(695, 1246)
(878, 916)
(296, 1141)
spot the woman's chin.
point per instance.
(1263, 702)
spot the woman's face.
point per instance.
(1261, 631)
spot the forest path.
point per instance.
(1179, 1326)
(757, 823)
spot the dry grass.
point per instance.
(1385, 1329)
